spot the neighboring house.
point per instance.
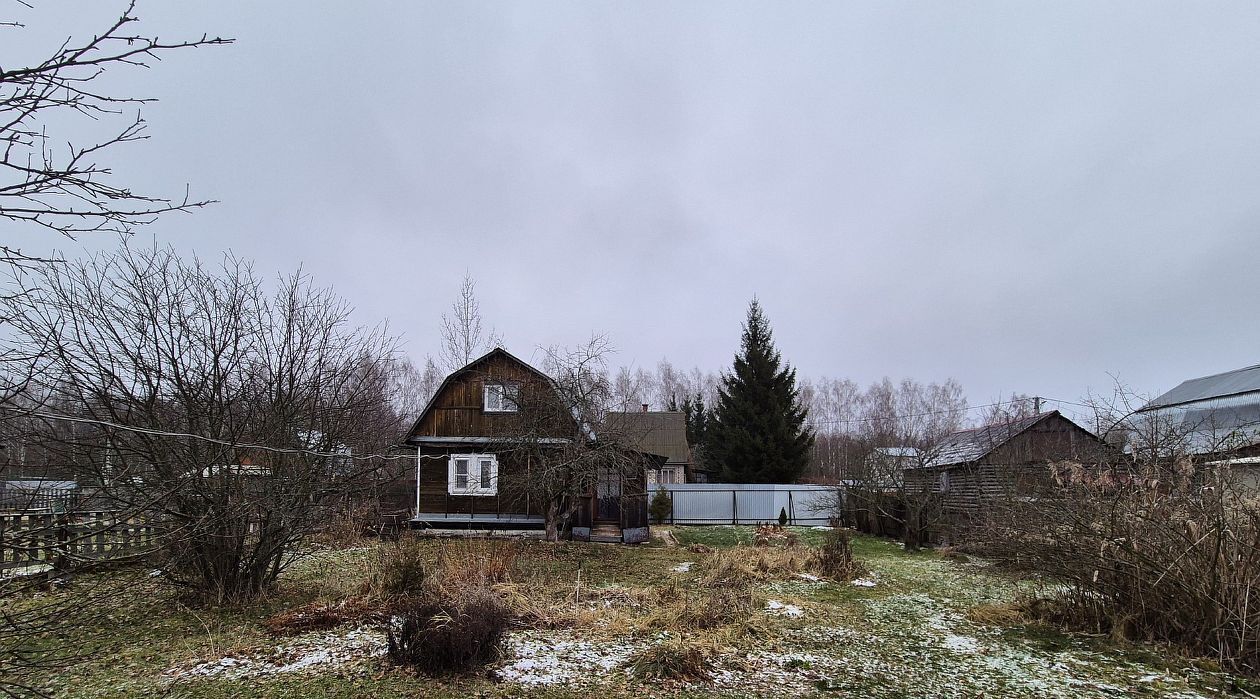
(1215, 419)
(663, 433)
(1014, 458)
(485, 433)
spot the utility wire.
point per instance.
(187, 435)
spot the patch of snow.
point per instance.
(306, 652)
(539, 659)
(684, 567)
(864, 582)
(961, 644)
(810, 578)
(778, 607)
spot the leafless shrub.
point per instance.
(443, 634)
(1167, 553)
(834, 558)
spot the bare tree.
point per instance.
(67, 188)
(227, 416)
(562, 431)
(463, 337)
(901, 432)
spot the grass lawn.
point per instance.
(588, 610)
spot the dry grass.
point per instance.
(676, 659)
(773, 535)
(1002, 614)
(317, 616)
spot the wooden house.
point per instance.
(659, 432)
(492, 430)
(1012, 459)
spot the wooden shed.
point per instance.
(1008, 459)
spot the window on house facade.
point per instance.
(501, 398)
(473, 474)
(942, 483)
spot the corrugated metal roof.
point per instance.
(1229, 383)
(660, 432)
(969, 445)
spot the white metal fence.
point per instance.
(749, 503)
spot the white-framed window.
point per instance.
(473, 474)
(502, 397)
(942, 482)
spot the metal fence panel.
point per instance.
(749, 503)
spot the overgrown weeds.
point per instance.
(675, 659)
(835, 557)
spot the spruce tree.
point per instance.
(757, 433)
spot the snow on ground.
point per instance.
(684, 567)
(777, 607)
(551, 658)
(864, 582)
(312, 651)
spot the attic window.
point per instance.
(473, 474)
(501, 398)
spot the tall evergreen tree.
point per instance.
(757, 433)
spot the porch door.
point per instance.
(608, 495)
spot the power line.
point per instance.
(187, 435)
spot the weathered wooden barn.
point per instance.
(1012, 459)
(490, 435)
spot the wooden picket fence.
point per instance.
(35, 541)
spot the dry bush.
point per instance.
(675, 659)
(442, 634)
(399, 569)
(772, 535)
(317, 616)
(1162, 556)
(835, 557)
(700, 548)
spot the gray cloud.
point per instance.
(1023, 197)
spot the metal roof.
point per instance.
(1229, 383)
(660, 432)
(966, 446)
(897, 452)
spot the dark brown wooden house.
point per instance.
(972, 468)
(491, 428)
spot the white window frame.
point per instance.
(505, 397)
(477, 475)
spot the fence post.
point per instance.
(671, 505)
(734, 506)
(791, 509)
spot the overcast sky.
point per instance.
(1024, 197)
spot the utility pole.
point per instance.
(1036, 405)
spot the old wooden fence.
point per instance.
(35, 541)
